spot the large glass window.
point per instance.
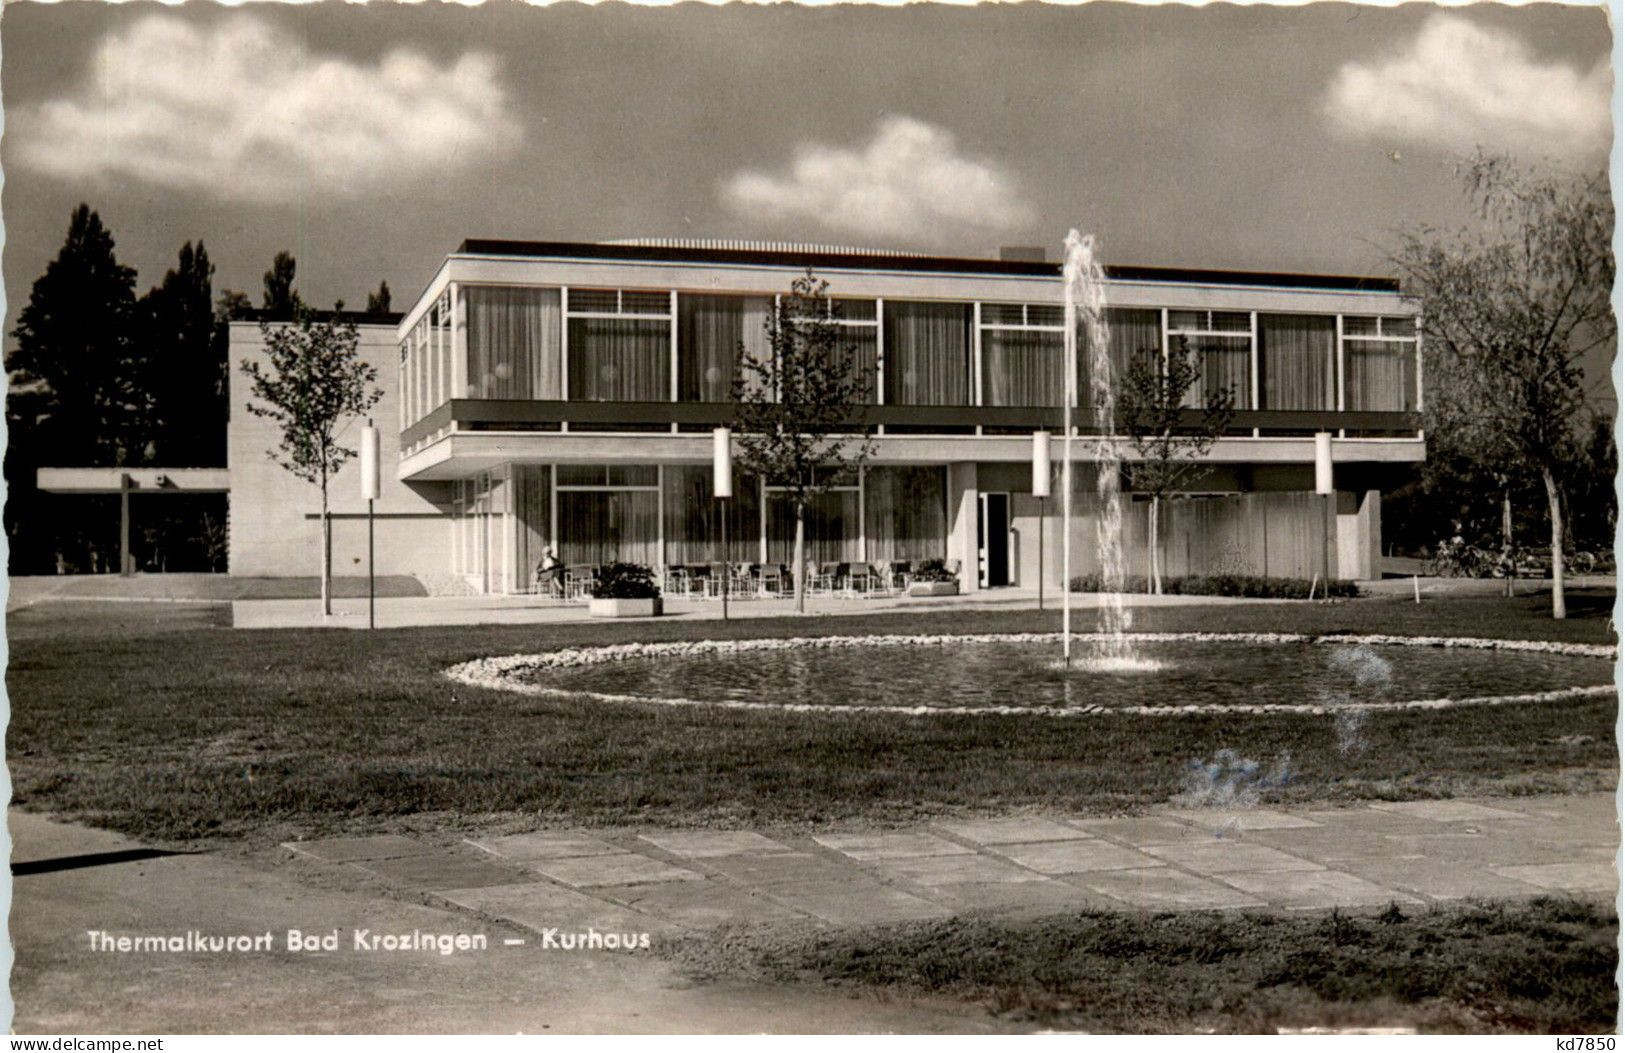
(1023, 355)
(1132, 332)
(1379, 363)
(609, 514)
(858, 334)
(905, 511)
(710, 332)
(620, 348)
(928, 353)
(513, 342)
(1222, 344)
(694, 517)
(1297, 361)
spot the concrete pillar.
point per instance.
(963, 501)
(1359, 534)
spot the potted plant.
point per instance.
(624, 590)
(931, 577)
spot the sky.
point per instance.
(371, 140)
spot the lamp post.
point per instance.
(722, 488)
(1041, 490)
(369, 490)
(1323, 486)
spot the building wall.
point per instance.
(276, 517)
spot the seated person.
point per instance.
(550, 573)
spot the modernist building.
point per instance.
(543, 393)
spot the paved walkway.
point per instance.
(1412, 853)
(533, 610)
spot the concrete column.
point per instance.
(1359, 534)
(963, 499)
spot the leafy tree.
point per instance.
(1153, 409)
(1510, 307)
(312, 385)
(232, 305)
(74, 397)
(378, 302)
(280, 298)
(798, 412)
(186, 375)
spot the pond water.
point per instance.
(1025, 675)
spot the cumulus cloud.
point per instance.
(246, 112)
(1460, 85)
(908, 181)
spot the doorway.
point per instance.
(993, 540)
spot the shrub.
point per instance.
(1248, 585)
(932, 570)
(624, 581)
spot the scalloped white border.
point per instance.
(499, 673)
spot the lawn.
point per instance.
(1543, 967)
(165, 724)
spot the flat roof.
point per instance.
(887, 262)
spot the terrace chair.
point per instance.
(578, 579)
(771, 581)
(715, 575)
(900, 575)
(825, 579)
(859, 577)
(743, 582)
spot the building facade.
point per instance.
(563, 395)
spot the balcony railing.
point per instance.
(531, 415)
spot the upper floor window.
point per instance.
(513, 342)
(1379, 363)
(1221, 342)
(1023, 354)
(619, 345)
(710, 332)
(1297, 361)
(928, 353)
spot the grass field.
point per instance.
(1543, 967)
(165, 724)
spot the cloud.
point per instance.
(908, 181)
(1460, 85)
(246, 112)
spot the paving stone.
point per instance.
(868, 847)
(1445, 811)
(1044, 896)
(1242, 819)
(1565, 877)
(443, 870)
(358, 849)
(1221, 857)
(627, 869)
(1141, 830)
(705, 844)
(701, 904)
(1012, 831)
(776, 869)
(947, 870)
(1472, 848)
(855, 900)
(1326, 844)
(1439, 879)
(1315, 889)
(1165, 889)
(1076, 857)
(542, 905)
(527, 847)
(1369, 819)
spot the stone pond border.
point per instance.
(501, 673)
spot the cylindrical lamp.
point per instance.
(1041, 471)
(722, 463)
(1323, 462)
(369, 463)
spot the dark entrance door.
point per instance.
(994, 541)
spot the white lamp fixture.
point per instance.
(1041, 470)
(722, 463)
(369, 463)
(1323, 462)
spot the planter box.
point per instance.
(649, 608)
(934, 588)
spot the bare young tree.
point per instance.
(312, 386)
(1167, 433)
(799, 411)
(1510, 309)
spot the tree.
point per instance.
(1154, 411)
(74, 395)
(186, 351)
(1510, 307)
(799, 411)
(280, 298)
(312, 385)
(378, 302)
